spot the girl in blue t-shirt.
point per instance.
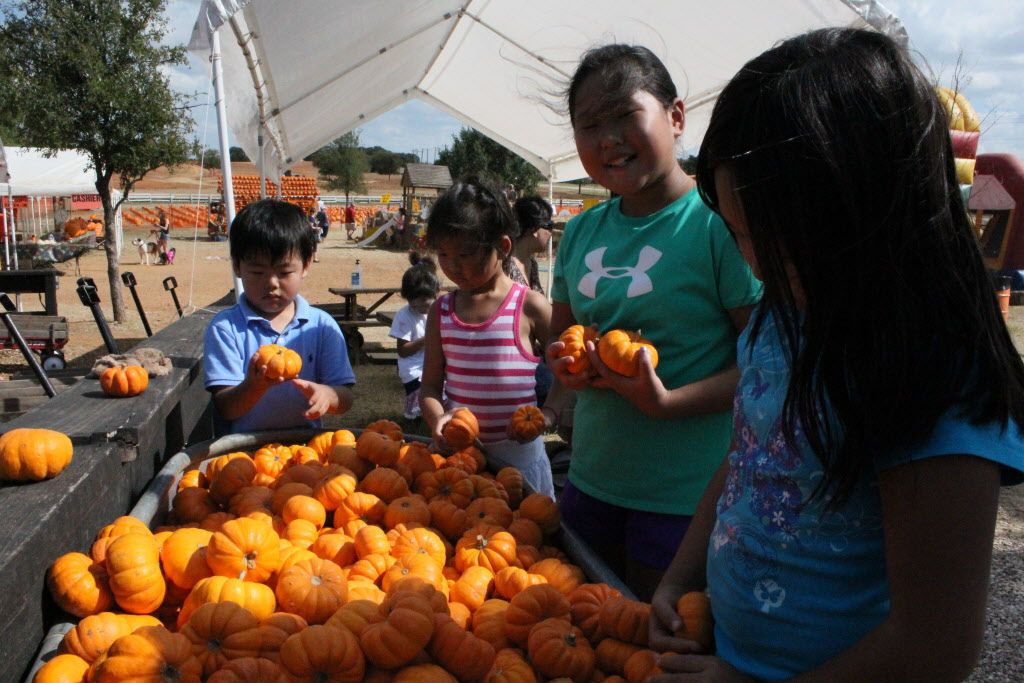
(654, 259)
(848, 535)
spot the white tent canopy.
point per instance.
(311, 70)
(34, 174)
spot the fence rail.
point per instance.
(330, 200)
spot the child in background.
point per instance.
(655, 260)
(480, 338)
(350, 221)
(419, 288)
(271, 247)
(848, 535)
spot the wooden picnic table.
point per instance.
(352, 310)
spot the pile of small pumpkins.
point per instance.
(344, 559)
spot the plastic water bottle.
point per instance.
(357, 275)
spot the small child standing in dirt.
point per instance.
(271, 248)
(419, 288)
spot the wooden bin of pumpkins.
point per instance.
(342, 556)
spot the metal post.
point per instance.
(128, 278)
(19, 340)
(170, 284)
(222, 134)
(260, 162)
(551, 240)
(88, 295)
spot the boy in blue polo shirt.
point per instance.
(271, 248)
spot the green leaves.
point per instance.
(473, 153)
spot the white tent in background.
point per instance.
(299, 74)
(31, 173)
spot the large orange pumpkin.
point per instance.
(532, 606)
(33, 454)
(281, 362)
(486, 546)
(255, 597)
(61, 669)
(462, 429)
(79, 585)
(248, 669)
(314, 589)
(91, 636)
(557, 648)
(222, 631)
(133, 563)
(152, 653)
(244, 549)
(619, 350)
(404, 632)
(130, 380)
(183, 556)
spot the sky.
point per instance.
(986, 37)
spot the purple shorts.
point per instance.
(651, 538)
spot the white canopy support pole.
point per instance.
(225, 150)
(12, 233)
(7, 246)
(551, 239)
(260, 162)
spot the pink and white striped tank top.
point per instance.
(486, 367)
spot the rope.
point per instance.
(189, 307)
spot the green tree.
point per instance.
(90, 75)
(342, 164)
(211, 159)
(385, 163)
(237, 154)
(473, 153)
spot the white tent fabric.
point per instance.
(36, 175)
(311, 70)
(32, 173)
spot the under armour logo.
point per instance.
(639, 284)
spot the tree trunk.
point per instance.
(109, 246)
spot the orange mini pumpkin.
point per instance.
(79, 585)
(462, 429)
(33, 454)
(130, 380)
(575, 339)
(619, 350)
(698, 624)
(528, 422)
(281, 362)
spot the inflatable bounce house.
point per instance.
(994, 187)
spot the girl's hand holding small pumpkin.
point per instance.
(440, 443)
(560, 367)
(646, 390)
(257, 374)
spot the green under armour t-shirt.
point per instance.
(673, 276)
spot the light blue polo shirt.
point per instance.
(235, 334)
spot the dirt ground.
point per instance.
(202, 272)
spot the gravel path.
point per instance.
(1003, 657)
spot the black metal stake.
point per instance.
(170, 284)
(33, 363)
(88, 296)
(128, 278)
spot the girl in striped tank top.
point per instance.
(480, 337)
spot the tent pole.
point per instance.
(12, 234)
(551, 248)
(263, 171)
(222, 133)
(7, 245)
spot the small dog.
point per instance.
(145, 249)
(166, 258)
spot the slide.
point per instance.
(387, 227)
(1009, 170)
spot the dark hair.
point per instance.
(623, 70)
(532, 212)
(272, 229)
(839, 153)
(471, 207)
(421, 278)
